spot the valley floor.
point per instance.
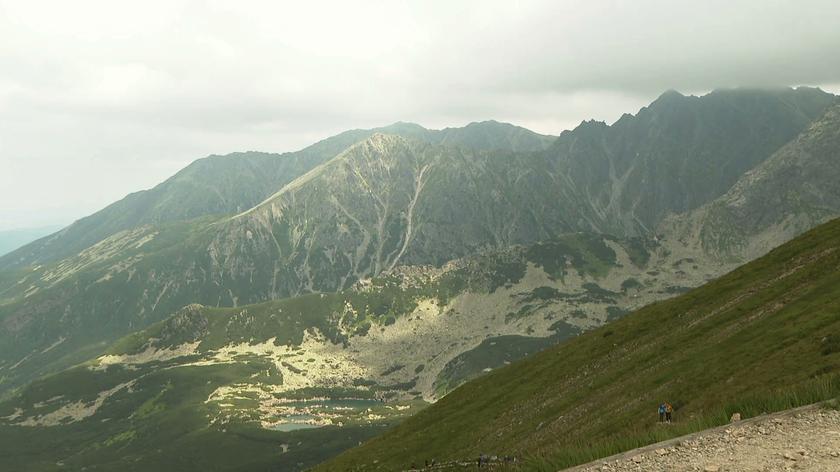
(806, 439)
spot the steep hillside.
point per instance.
(138, 278)
(389, 201)
(673, 156)
(398, 201)
(794, 190)
(678, 153)
(15, 238)
(219, 185)
(385, 201)
(210, 186)
(314, 370)
(764, 337)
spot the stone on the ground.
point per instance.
(809, 442)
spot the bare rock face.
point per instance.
(233, 183)
(792, 191)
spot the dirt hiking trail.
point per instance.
(806, 438)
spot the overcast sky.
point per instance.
(102, 98)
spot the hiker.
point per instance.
(662, 412)
(668, 410)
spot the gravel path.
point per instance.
(805, 439)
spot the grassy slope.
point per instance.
(773, 323)
(15, 238)
(162, 425)
(163, 422)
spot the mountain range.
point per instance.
(391, 264)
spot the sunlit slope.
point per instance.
(208, 386)
(232, 183)
(773, 323)
(167, 406)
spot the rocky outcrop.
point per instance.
(793, 191)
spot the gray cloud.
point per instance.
(98, 99)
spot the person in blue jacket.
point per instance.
(662, 412)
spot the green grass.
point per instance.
(161, 423)
(638, 250)
(588, 254)
(492, 353)
(824, 388)
(758, 339)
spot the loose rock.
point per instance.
(810, 442)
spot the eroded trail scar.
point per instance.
(419, 183)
